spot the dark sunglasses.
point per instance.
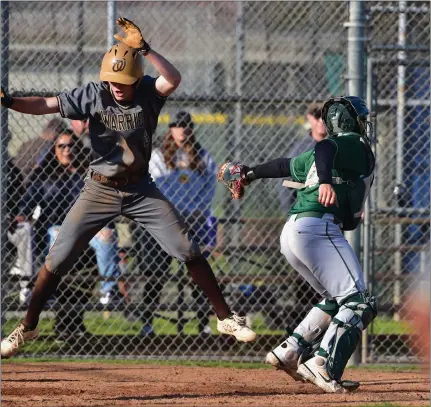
(63, 146)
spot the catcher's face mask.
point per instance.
(346, 114)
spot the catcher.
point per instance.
(122, 110)
(333, 182)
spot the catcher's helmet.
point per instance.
(121, 64)
(345, 114)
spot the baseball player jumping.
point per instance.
(123, 110)
(333, 182)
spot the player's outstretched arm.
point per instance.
(236, 176)
(35, 105)
(278, 168)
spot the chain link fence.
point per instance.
(250, 70)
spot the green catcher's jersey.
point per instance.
(353, 162)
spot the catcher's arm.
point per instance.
(236, 176)
(170, 77)
(30, 105)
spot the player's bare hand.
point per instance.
(327, 195)
(133, 38)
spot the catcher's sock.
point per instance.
(46, 285)
(202, 274)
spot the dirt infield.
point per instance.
(90, 384)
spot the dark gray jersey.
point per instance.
(121, 137)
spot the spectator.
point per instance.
(31, 152)
(55, 185)
(186, 174)
(19, 248)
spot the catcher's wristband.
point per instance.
(248, 175)
(145, 49)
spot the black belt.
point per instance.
(312, 214)
(116, 182)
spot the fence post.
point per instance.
(239, 67)
(233, 207)
(111, 13)
(367, 214)
(399, 189)
(80, 43)
(355, 85)
(4, 151)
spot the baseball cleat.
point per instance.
(236, 326)
(285, 357)
(11, 344)
(319, 376)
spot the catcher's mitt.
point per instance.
(233, 176)
(134, 38)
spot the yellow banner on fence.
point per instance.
(250, 120)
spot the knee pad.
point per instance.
(344, 332)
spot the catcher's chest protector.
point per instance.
(357, 193)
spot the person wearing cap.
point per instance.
(186, 174)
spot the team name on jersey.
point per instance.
(122, 121)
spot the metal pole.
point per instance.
(236, 150)
(402, 26)
(111, 17)
(239, 64)
(80, 43)
(4, 152)
(367, 217)
(355, 77)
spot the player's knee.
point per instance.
(186, 251)
(196, 261)
(59, 262)
(55, 267)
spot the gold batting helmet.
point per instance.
(121, 64)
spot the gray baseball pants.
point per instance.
(99, 204)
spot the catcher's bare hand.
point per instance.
(233, 176)
(133, 38)
(327, 195)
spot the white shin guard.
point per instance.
(310, 330)
(344, 332)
